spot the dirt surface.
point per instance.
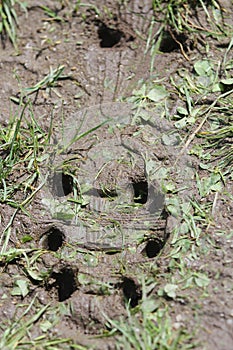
(93, 252)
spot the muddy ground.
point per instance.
(95, 252)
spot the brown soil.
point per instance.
(105, 58)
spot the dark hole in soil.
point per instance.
(109, 37)
(65, 281)
(164, 214)
(131, 291)
(62, 184)
(153, 247)
(106, 193)
(140, 192)
(131, 38)
(54, 239)
(170, 42)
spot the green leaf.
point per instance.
(217, 87)
(23, 286)
(59, 210)
(149, 305)
(173, 206)
(171, 139)
(201, 280)
(216, 187)
(169, 187)
(186, 207)
(26, 238)
(226, 84)
(227, 81)
(157, 94)
(203, 68)
(204, 166)
(151, 166)
(91, 260)
(16, 291)
(182, 111)
(140, 92)
(82, 279)
(180, 124)
(208, 184)
(184, 228)
(65, 216)
(170, 290)
(191, 120)
(161, 174)
(34, 274)
(45, 326)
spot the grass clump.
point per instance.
(9, 20)
(219, 142)
(177, 13)
(21, 145)
(183, 23)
